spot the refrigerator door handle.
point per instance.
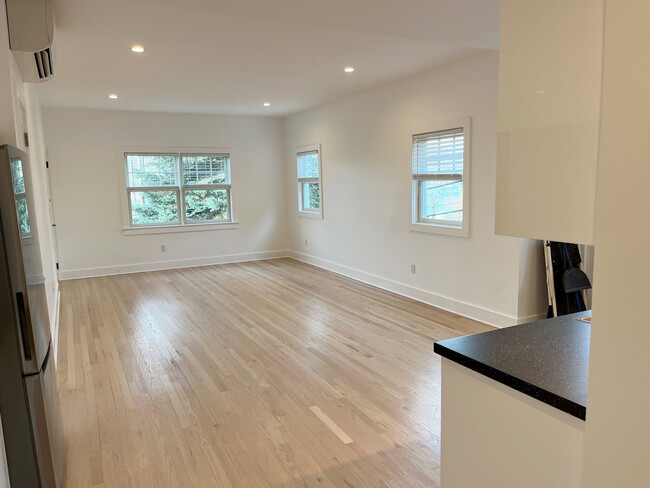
(24, 329)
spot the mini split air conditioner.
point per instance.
(31, 33)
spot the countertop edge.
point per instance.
(552, 399)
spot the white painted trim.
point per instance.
(72, 274)
(531, 318)
(310, 215)
(439, 229)
(487, 316)
(170, 229)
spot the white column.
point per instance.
(617, 434)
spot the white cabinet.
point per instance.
(550, 71)
(493, 436)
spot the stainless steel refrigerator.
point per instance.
(29, 402)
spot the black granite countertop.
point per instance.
(547, 360)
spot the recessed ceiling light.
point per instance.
(112, 96)
(266, 104)
(137, 48)
(349, 69)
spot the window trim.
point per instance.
(128, 228)
(448, 228)
(310, 213)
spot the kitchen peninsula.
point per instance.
(517, 396)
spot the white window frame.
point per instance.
(314, 214)
(128, 228)
(443, 227)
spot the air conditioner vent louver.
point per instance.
(31, 37)
(43, 61)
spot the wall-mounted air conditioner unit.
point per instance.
(31, 33)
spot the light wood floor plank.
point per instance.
(331, 424)
(271, 374)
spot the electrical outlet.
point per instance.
(306, 243)
(163, 248)
(413, 268)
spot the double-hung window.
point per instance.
(178, 189)
(310, 196)
(440, 181)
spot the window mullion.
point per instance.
(180, 201)
(420, 197)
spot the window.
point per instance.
(178, 189)
(20, 196)
(310, 197)
(440, 181)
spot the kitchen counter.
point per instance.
(514, 404)
(547, 360)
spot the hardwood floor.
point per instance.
(263, 374)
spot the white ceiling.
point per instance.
(230, 56)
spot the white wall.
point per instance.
(366, 161)
(37, 158)
(366, 153)
(7, 121)
(532, 303)
(83, 150)
(617, 434)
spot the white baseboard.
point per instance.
(531, 318)
(487, 316)
(73, 274)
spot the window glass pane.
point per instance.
(441, 200)
(17, 176)
(310, 196)
(206, 205)
(150, 170)
(205, 169)
(154, 207)
(308, 165)
(23, 217)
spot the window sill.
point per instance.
(311, 215)
(445, 230)
(170, 229)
